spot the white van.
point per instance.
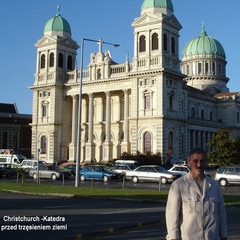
(32, 163)
(11, 158)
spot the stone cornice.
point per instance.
(97, 82)
(45, 86)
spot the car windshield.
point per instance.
(106, 169)
(160, 169)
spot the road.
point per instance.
(65, 218)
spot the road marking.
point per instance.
(130, 210)
(64, 206)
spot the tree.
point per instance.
(225, 148)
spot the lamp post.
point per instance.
(100, 42)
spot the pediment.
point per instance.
(44, 41)
(172, 21)
(149, 18)
(146, 18)
(48, 41)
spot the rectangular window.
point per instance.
(147, 102)
(44, 111)
(206, 68)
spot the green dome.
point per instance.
(158, 3)
(57, 23)
(203, 44)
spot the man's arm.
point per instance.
(172, 212)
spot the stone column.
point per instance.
(73, 144)
(107, 145)
(90, 146)
(125, 143)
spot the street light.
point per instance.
(100, 42)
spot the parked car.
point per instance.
(63, 172)
(9, 170)
(97, 172)
(70, 168)
(152, 173)
(228, 175)
(122, 168)
(45, 172)
(32, 163)
(180, 169)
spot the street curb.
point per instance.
(113, 231)
(62, 195)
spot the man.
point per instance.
(195, 208)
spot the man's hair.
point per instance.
(197, 151)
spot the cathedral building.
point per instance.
(155, 102)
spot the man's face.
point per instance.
(197, 164)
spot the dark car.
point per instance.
(70, 168)
(97, 172)
(9, 170)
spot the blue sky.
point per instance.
(22, 24)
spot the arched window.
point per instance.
(202, 114)
(43, 61)
(142, 46)
(51, 60)
(155, 41)
(43, 145)
(173, 45)
(69, 63)
(147, 142)
(60, 60)
(238, 117)
(170, 142)
(165, 41)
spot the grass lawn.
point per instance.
(147, 195)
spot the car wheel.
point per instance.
(223, 182)
(54, 176)
(163, 180)
(135, 179)
(82, 178)
(35, 176)
(105, 178)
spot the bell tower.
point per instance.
(156, 37)
(56, 56)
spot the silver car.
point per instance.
(44, 172)
(228, 175)
(152, 173)
(181, 169)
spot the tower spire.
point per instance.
(58, 9)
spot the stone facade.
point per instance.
(146, 105)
